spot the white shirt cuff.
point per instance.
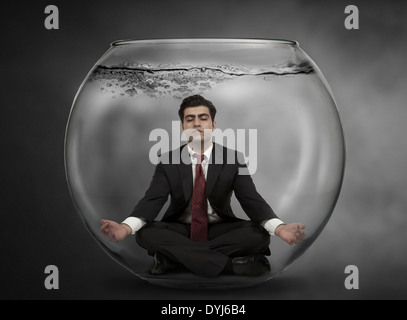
(134, 223)
(271, 225)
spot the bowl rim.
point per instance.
(249, 41)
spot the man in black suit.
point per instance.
(199, 230)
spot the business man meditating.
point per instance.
(199, 231)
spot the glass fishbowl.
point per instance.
(274, 105)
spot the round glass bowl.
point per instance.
(273, 103)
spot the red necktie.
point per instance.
(199, 221)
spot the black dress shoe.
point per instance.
(255, 265)
(162, 265)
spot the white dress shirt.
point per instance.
(136, 223)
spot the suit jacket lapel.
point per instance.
(215, 165)
(185, 172)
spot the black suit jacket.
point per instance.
(173, 176)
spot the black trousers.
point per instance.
(207, 258)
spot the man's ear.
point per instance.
(214, 124)
(182, 126)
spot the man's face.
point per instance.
(197, 123)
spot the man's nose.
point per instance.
(197, 122)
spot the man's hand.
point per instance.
(291, 233)
(114, 231)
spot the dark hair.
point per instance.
(195, 101)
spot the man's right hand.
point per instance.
(114, 231)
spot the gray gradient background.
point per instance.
(42, 70)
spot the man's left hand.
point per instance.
(292, 233)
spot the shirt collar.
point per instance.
(207, 153)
